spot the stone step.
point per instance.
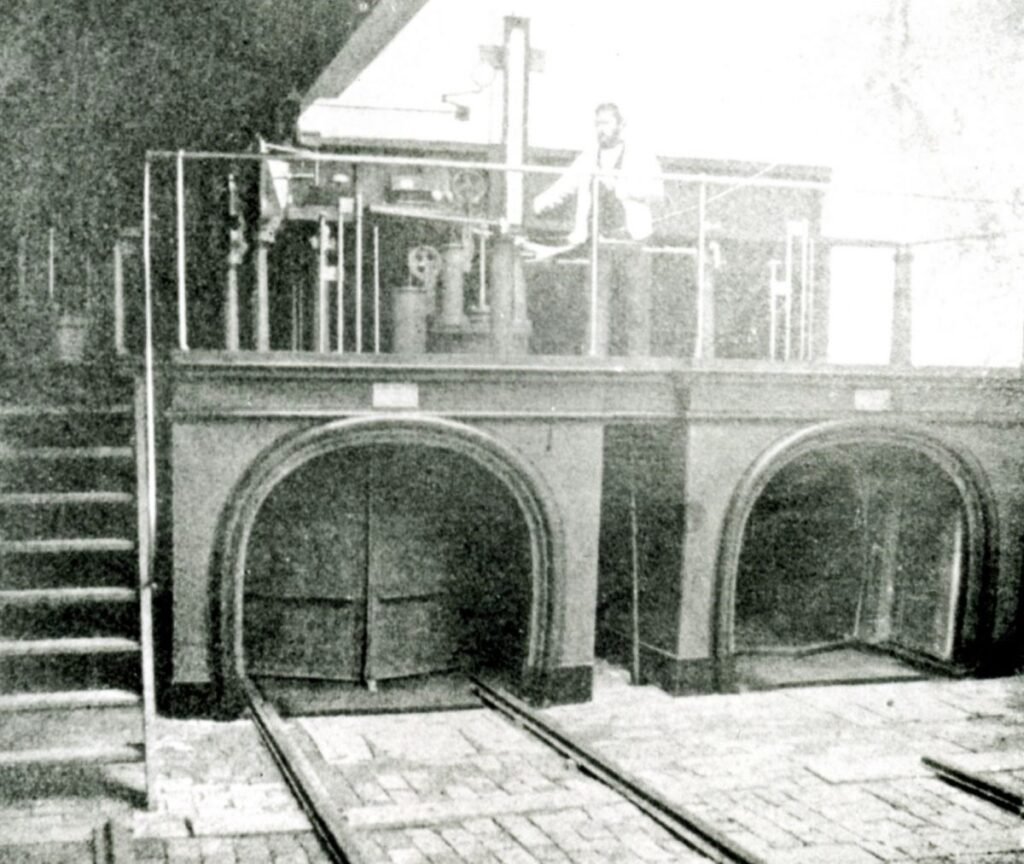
(66, 596)
(49, 499)
(58, 647)
(58, 545)
(69, 700)
(73, 756)
(64, 453)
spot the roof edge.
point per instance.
(380, 27)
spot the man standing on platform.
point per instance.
(624, 224)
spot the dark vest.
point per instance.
(611, 215)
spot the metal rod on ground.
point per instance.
(179, 200)
(634, 554)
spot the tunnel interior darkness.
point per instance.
(383, 562)
(860, 544)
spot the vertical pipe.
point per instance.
(321, 322)
(902, 306)
(22, 271)
(262, 296)
(595, 217)
(340, 282)
(376, 289)
(787, 299)
(296, 341)
(702, 337)
(482, 296)
(145, 592)
(359, 272)
(119, 345)
(517, 79)
(811, 276)
(51, 268)
(634, 550)
(179, 200)
(805, 292)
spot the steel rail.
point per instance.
(1003, 796)
(687, 827)
(328, 822)
(342, 846)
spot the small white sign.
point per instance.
(396, 395)
(872, 400)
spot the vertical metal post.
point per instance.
(482, 296)
(231, 332)
(634, 554)
(262, 296)
(517, 80)
(805, 290)
(376, 289)
(51, 269)
(787, 299)
(119, 344)
(359, 272)
(321, 323)
(595, 218)
(811, 278)
(179, 200)
(902, 305)
(702, 339)
(340, 282)
(22, 271)
(146, 555)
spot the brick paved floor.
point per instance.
(468, 786)
(823, 774)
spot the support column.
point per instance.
(902, 311)
(509, 327)
(704, 344)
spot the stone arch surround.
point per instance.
(530, 491)
(973, 605)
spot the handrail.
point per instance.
(502, 232)
(469, 164)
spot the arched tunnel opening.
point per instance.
(853, 566)
(377, 576)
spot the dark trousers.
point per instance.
(623, 292)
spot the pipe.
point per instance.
(595, 216)
(376, 289)
(179, 200)
(359, 272)
(340, 281)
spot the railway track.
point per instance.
(342, 843)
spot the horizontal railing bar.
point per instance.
(525, 168)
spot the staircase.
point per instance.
(76, 655)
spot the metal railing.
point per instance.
(773, 224)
